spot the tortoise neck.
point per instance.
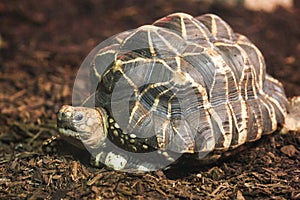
(129, 142)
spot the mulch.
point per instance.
(42, 44)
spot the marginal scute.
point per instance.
(186, 84)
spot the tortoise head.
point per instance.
(89, 125)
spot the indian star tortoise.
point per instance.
(181, 86)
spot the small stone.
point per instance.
(288, 150)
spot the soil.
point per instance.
(42, 44)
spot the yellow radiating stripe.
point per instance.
(242, 131)
(214, 28)
(259, 124)
(221, 68)
(247, 66)
(138, 103)
(201, 30)
(162, 140)
(228, 28)
(137, 59)
(198, 53)
(118, 67)
(271, 112)
(261, 62)
(96, 72)
(168, 43)
(94, 66)
(156, 101)
(280, 107)
(170, 106)
(152, 50)
(183, 28)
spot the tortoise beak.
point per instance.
(64, 121)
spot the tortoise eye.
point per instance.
(78, 117)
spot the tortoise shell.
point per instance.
(187, 85)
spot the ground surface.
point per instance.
(43, 43)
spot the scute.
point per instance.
(218, 28)
(191, 83)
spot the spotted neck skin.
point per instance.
(130, 142)
(89, 125)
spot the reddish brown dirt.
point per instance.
(42, 45)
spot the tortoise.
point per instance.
(181, 86)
